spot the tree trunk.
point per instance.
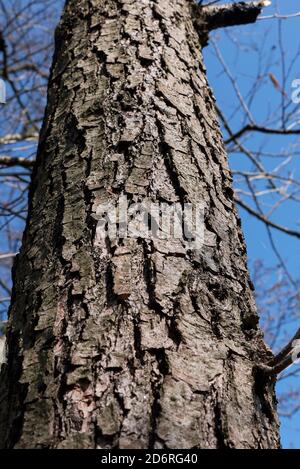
(136, 342)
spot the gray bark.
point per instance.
(143, 344)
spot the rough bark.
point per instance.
(143, 344)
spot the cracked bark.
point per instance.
(140, 344)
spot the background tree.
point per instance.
(11, 178)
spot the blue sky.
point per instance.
(241, 48)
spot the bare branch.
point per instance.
(11, 161)
(232, 14)
(279, 17)
(13, 138)
(7, 256)
(266, 220)
(262, 129)
(283, 359)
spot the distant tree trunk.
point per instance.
(141, 343)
